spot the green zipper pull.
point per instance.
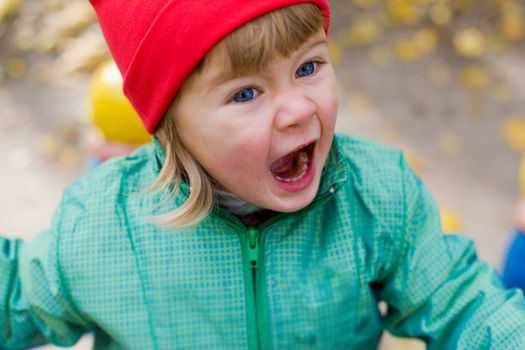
(253, 246)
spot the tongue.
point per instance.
(291, 165)
(283, 165)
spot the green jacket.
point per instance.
(310, 279)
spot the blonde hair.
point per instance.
(248, 49)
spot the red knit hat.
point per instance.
(157, 43)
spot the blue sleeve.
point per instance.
(514, 265)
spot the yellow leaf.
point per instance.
(48, 145)
(407, 51)
(15, 67)
(463, 5)
(426, 40)
(441, 13)
(8, 8)
(514, 132)
(335, 52)
(474, 78)
(24, 39)
(450, 221)
(404, 11)
(415, 161)
(69, 157)
(450, 144)
(470, 42)
(513, 25)
(365, 4)
(361, 102)
(364, 30)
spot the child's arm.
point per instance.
(438, 290)
(34, 302)
(513, 269)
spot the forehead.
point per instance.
(220, 65)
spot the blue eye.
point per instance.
(245, 95)
(306, 69)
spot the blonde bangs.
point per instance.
(252, 47)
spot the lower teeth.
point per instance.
(302, 159)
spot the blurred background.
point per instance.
(444, 80)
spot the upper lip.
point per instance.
(302, 145)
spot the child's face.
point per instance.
(264, 136)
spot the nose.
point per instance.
(294, 108)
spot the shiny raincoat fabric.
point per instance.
(310, 279)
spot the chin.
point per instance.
(296, 202)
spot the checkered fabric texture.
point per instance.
(372, 234)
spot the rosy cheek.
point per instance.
(246, 160)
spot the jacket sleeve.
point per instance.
(440, 292)
(34, 303)
(513, 273)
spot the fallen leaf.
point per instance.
(365, 4)
(15, 68)
(450, 144)
(407, 51)
(470, 42)
(415, 161)
(441, 13)
(512, 25)
(8, 8)
(48, 145)
(426, 40)
(474, 77)
(513, 130)
(335, 52)
(405, 11)
(69, 157)
(450, 221)
(364, 30)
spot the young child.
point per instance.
(246, 224)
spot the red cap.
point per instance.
(157, 43)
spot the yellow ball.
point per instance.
(111, 111)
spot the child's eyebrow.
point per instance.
(222, 76)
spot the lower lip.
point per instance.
(303, 182)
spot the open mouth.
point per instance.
(293, 166)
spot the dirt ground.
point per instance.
(452, 128)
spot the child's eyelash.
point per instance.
(244, 95)
(316, 62)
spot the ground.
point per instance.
(455, 103)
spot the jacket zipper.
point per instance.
(259, 336)
(252, 238)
